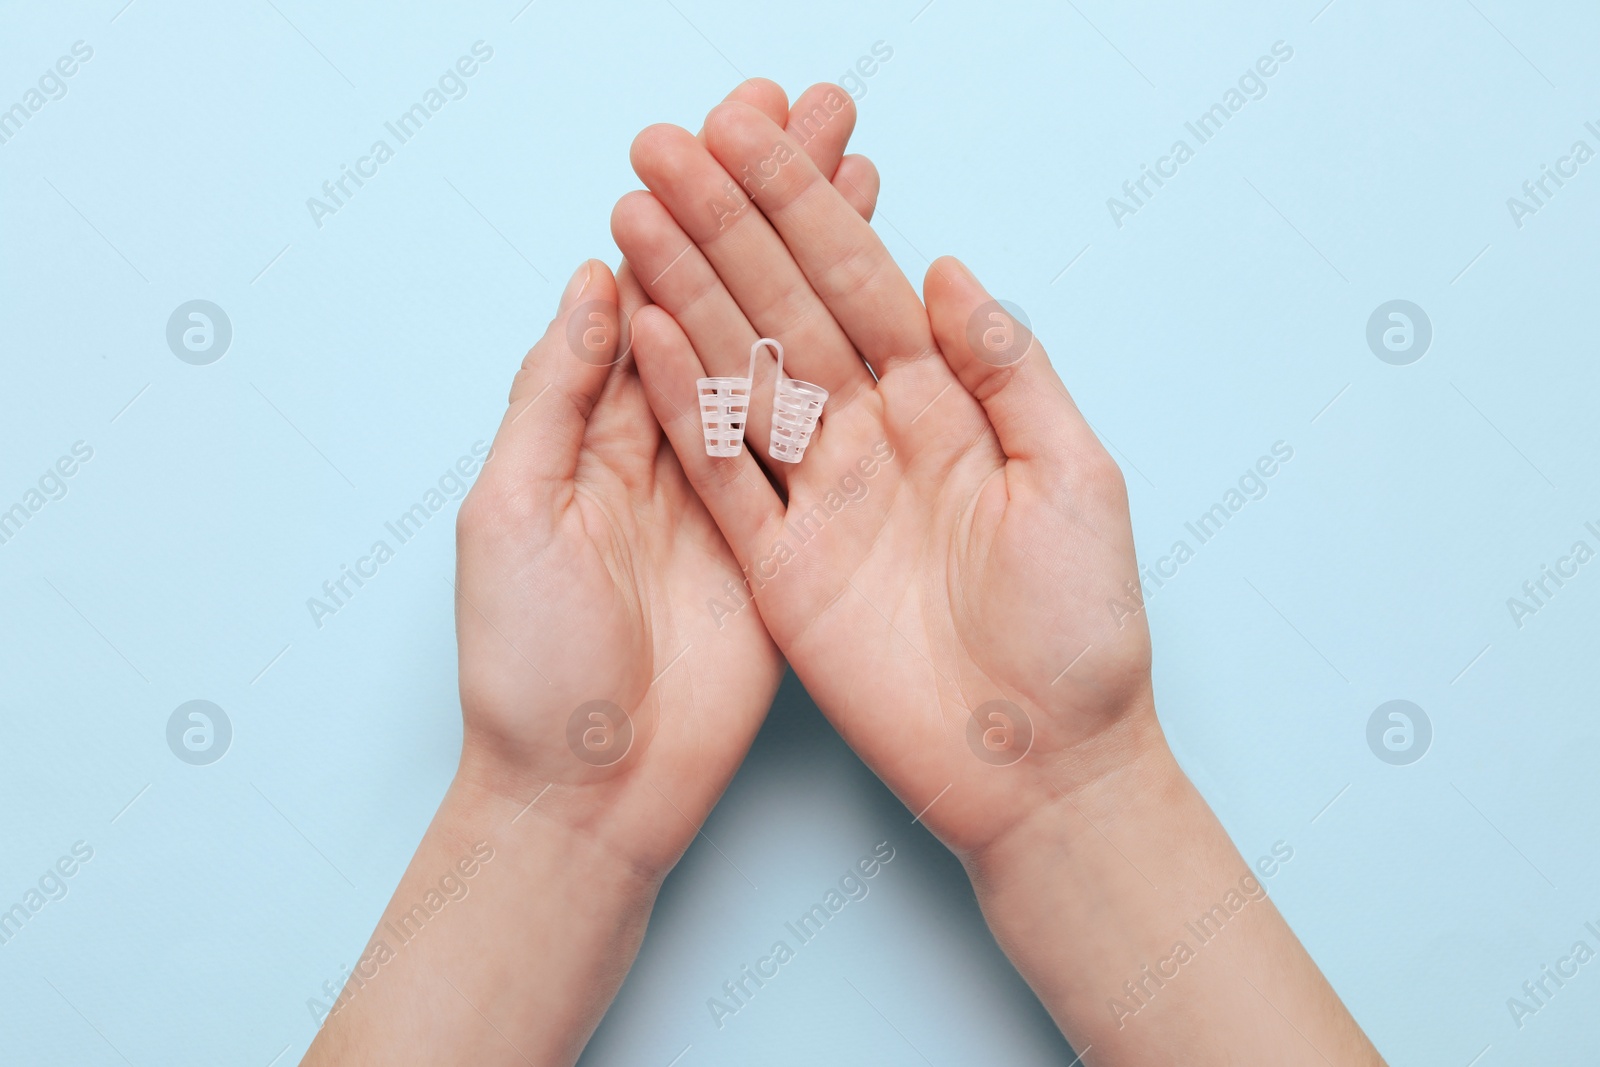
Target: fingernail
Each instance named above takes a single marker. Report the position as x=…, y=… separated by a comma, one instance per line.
x=973, y=278
x=580, y=279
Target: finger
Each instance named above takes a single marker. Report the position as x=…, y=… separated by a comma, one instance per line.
x=734, y=490
x=558, y=385
x=630, y=291
x=999, y=361
x=841, y=257
x=766, y=96
x=622, y=433
x=747, y=256
x=631, y=296
x=683, y=283
x=680, y=281
x=857, y=181
x=821, y=122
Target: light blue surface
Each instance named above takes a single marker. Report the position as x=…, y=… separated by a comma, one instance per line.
x=1227, y=314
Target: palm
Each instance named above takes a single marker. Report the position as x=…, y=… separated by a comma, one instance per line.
x=902, y=614
x=596, y=605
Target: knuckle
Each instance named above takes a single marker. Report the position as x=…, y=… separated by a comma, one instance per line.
x=716, y=478
x=494, y=506
x=855, y=271
x=519, y=381
x=1104, y=478
x=989, y=380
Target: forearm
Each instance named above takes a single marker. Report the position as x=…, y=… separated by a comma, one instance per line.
x=514, y=962
x=1149, y=939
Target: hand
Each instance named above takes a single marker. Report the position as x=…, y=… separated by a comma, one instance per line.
x=901, y=577
x=587, y=660
x=950, y=571
x=582, y=557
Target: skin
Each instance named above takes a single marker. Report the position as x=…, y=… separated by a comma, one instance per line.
x=976, y=549
x=583, y=559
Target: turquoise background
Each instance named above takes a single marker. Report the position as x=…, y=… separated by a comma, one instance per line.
x=369, y=354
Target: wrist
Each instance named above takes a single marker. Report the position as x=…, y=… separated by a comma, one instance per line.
x=1126, y=776
x=491, y=887
x=1112, y=903
x=550, y=826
